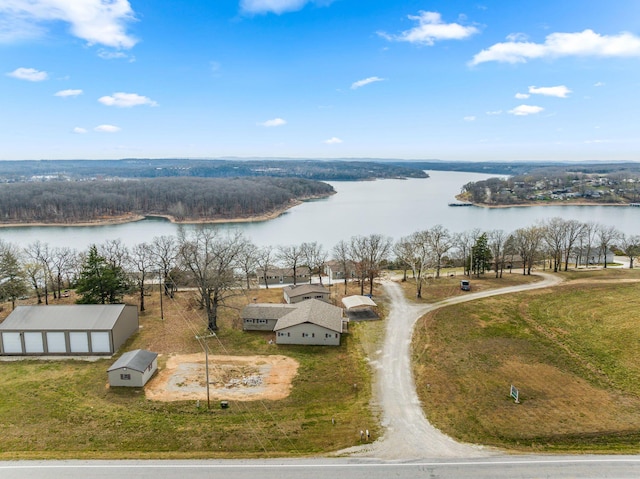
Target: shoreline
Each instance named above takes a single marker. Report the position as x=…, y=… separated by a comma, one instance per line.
x=533, y=205
x=133, y=218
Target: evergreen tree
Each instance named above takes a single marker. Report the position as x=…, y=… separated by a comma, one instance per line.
x=481, y=255
x=12, y=277
x=100, y=282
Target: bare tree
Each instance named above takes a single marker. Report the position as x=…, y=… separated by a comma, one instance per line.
x=264, y=259
x=115, y=252
x=165, y=252
x=574, y=230
x=342, y=254
x=630, y=246
x=368, y=252
x=62, y=260
x=290, y=257
x=607, y=235
x=553, y=233
x=497, y=245
x=248, y=261
x=211, y=259
x=417, y=253
x=464, y=242
x=440, y=241
x=587, y=241
x=39, y=252
x=315, y=256
x=12, y=278
x=527, y=241
x=35, y=275
x=141, y=261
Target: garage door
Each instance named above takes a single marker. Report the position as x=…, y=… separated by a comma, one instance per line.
x=79, y=342
x=55, y=342
x=11, y=343
x=33, y=343
x=100, y=342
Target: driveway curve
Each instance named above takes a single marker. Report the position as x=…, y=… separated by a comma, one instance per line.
x=407, y=433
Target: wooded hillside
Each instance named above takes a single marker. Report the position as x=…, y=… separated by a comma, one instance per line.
x=183, y=198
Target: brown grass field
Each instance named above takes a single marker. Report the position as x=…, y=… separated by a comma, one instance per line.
x=572, y=351
x=64, y=409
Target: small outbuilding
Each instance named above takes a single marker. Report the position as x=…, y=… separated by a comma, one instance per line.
x=67, y=330
x=360, y=308
x=303, y=292
x=133, y=368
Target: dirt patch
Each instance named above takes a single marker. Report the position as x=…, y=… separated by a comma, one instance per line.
x=238, y=378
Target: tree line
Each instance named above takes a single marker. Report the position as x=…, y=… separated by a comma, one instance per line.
x=185, y=199
x=220, y=265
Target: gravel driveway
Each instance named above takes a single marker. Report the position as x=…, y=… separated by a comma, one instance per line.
x=407, y=433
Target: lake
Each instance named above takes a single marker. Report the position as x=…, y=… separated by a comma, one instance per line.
x=393, y=208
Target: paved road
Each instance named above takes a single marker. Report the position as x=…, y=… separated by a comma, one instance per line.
x=408, y=435
x=584, y=467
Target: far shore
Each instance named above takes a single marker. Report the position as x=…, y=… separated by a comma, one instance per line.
x=117, y=220
x=544, y=203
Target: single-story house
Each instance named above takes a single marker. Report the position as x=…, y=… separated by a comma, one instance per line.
x=284, y=275
x=78, y=329
x=263, y=316
x=301, y=292
x=312, y=322
x=307, y=322
x=335, y=270
x=133, y=368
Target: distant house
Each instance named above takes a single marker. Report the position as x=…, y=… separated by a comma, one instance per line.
x=66, y=330
x=133, y=368
x=263, y=316
x=313, y=322
x=335, y=271
x=301, y=292
x=284, y=276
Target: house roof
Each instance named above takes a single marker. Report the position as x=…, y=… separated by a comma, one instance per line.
x=266, y=310
x=302, y=289
x=138, y=360
x=63, y=317
x=313, y=311
x=351, y=302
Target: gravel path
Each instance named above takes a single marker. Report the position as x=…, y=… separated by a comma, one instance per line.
x=408, y=435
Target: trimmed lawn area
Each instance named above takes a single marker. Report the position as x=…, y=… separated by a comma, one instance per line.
x=572, y=351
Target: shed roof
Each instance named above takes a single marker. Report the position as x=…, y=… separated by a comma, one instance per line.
x=313, y=311
x=63, y=317
x=351, y=302
x=302, y=289
x=138, y=360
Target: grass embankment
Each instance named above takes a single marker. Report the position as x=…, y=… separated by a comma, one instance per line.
x=63, y=408
x=572, y=351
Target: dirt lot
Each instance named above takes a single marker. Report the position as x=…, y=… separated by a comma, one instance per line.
x=238, y=378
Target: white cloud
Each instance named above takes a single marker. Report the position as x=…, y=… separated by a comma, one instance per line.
x=560, y=91
x=126, y=100
x=277, y=6
x=495, y=112
x=79, y=130
x=430, y=29
x=598, y=84
x=115, y=55
x=333, y=141
x=96, y=21
x=469, y=118
x=524, y=110
x=68, y=93
x=522, y=96
x=29, y=74
x=366, y=81
x=107, y=128
x=272, y=123
x=585, y=43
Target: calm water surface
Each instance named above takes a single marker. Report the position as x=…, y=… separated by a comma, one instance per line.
x=394, y=208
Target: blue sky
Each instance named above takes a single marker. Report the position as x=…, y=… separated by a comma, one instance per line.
x=465, y=80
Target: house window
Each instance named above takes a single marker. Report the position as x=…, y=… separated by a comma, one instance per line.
x=305, y=335
x=327, y=335
x=306, y=297
x=125, y=377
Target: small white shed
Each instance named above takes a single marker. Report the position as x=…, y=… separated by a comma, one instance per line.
x=133, y=368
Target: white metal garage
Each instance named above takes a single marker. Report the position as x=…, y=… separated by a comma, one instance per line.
x=79, y=329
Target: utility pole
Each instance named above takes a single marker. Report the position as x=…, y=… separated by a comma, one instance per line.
x=160, y=286
x=206, y=362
